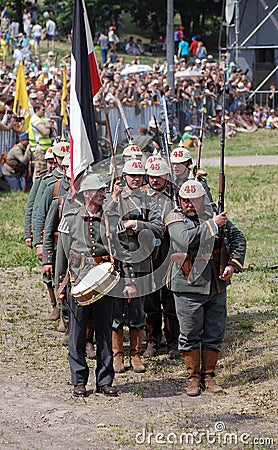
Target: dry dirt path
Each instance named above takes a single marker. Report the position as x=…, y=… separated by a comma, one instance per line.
x=255, y=160
x=152, y=411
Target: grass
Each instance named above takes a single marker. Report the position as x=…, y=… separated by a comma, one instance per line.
x=260, y=142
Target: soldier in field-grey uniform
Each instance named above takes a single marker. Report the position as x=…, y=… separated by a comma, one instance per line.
x=199, y=287
x=82, y=244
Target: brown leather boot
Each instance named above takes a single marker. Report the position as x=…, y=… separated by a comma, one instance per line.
x=192, y=362
x=55, y=314
x=136, y=337
x=209, y=361
x=118, y=351
x=61, y=327
x=90, y=350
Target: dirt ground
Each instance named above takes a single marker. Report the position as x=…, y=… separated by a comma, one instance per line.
x=151, y=412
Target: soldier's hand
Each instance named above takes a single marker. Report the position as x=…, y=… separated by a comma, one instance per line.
x=130, y=292
x=130, y=223
x=48, y=269
x=117, y=189
x=39, y=252
x=228, y=273
x=220, y=219
x=62, y=298
x=29, y=243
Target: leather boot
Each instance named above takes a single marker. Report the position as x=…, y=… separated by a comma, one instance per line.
x=61, y=327
x=172, y=331
x=153, y=334
x=118, y=351
x=192, y=362
x=136, y=337
x=55, y=314
x=90, y=350
x=209, y=361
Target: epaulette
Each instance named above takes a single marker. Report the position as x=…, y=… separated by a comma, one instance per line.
x=71, y=211
x=42, y=174
x=51, y=182
x=172, y=217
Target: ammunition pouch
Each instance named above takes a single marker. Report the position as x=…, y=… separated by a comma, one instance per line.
x=184, y=261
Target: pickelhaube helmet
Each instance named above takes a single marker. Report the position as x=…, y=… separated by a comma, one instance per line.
x=49, y=153
x=66, y=160
x=180, y=155
x=158, y=168
x=152, y=158
x=134, y=167
x=131, y=150
x=192, y=188
x=92, y=181
x=61, y=148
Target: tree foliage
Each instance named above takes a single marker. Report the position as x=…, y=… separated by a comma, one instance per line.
x=197, y=15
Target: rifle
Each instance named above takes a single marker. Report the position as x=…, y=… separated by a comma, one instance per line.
x=197, y=167
x=166, y=144
x=113, y=161
x=127, y=128
x=221, y=194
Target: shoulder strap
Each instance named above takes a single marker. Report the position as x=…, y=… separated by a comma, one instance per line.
x=56, y=188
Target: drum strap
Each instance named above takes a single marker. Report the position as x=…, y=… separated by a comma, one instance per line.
x=62, y=285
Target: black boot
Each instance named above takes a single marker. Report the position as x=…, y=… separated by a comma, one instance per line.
x=153, y=334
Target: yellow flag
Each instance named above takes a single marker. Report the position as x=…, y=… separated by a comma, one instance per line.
x=64, y=98
x=21, y=106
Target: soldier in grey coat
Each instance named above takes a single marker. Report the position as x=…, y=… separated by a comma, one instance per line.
x=199, y=287
x=141, y=217
x=82, y=244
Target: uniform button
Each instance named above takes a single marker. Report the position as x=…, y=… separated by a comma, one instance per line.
x=93, y=242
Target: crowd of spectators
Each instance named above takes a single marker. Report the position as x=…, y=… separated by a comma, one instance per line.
x=195, y=97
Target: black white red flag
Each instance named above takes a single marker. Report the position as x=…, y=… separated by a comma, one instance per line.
x=85, y=83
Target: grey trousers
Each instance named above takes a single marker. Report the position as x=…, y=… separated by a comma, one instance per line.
x=102, y=314
x=202, y=320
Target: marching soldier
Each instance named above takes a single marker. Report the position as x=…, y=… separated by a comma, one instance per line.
x=50, y=166
x=160, y=190
x=42, y=203
x=60, y=150
x=181, y=161
x=140, y=214
x=50, y=239
x=82, y=244
x=198, y=286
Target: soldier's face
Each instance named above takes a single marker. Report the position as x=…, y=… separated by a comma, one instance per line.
x=190, y=207
x=157, y=183
x=134, y=181
x=94, y=198
x=51, y=164
x=180, y=169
